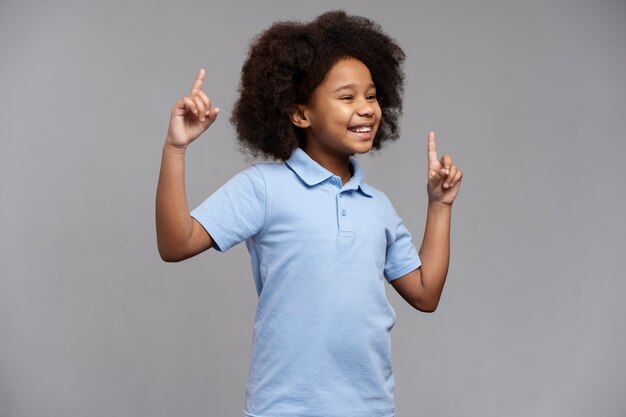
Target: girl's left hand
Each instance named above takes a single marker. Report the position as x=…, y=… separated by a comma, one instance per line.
x=444, y=178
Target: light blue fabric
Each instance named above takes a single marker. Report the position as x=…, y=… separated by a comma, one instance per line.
x=320, y=256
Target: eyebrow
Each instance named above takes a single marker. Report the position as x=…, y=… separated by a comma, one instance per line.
x=349, y=86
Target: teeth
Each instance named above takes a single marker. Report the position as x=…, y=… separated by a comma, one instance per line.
x=362, y=129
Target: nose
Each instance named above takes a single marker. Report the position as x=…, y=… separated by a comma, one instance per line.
x=366, y=109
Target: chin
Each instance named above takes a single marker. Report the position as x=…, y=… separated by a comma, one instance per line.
x=363, y=149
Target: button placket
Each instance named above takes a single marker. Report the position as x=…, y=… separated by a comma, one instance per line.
x=342, y=212
x=346, y=236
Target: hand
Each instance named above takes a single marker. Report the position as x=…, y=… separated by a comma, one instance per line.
x=444, y=178
x=191, y=116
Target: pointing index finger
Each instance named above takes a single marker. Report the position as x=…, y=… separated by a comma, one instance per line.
x=197, y=84
x=432, y=153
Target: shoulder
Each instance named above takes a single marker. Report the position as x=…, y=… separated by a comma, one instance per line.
x=270, y=168
x=249, y=176
x=260, y=172
x=244, y=184
x=385, y=207
x=274, y=173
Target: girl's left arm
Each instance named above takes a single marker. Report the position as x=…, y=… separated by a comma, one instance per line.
x=422, y=287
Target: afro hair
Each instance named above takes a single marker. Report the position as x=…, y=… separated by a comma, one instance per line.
x=287, y=61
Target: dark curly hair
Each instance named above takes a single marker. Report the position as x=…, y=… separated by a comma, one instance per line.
x=287, y=61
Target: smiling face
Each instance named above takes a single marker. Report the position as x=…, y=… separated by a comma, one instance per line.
x=343, y=114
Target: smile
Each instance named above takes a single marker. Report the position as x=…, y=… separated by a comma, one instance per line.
x=362, y=129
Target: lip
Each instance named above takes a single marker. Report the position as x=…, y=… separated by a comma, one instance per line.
x=362, y=135
x=371, y=125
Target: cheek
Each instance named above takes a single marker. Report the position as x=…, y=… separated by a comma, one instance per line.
x=341, y=116
x=379, y=112
x=379, y=115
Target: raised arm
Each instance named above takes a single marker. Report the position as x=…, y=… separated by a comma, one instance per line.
x=179, y=236
x=422, y=287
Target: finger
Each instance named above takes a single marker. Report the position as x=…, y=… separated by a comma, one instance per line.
x=435, y=182
x=450, y=176
x=432, y=153
x=197, y=84
x=200, y=107
x=457, y=178
x=433, y=169
x=212, y=115
x=434, y=166
x=206, y=100
x=179, y=105
x=446, y=163
x=190, y=104
x=434, y=178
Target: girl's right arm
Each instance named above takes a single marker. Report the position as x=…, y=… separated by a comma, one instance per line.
x=179, y=236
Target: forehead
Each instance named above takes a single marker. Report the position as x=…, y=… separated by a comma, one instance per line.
x=347, y=71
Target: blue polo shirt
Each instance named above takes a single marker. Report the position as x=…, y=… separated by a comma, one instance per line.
x=321, y=253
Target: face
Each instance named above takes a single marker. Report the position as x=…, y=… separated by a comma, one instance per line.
x=343, y=114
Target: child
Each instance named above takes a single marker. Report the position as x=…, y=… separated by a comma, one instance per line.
x=321, y=240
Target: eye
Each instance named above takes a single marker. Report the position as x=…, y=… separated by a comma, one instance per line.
x=371, y=97
x=345, y=98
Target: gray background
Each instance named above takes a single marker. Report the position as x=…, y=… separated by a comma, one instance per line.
x=528, y=97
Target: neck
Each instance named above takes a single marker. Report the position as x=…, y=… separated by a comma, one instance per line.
x=337, y=164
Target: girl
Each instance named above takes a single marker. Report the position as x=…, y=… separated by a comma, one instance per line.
x=322, y=241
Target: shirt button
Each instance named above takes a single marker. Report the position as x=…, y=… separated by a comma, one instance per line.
x=333, y=181
x=340, y=195
x=343, y=212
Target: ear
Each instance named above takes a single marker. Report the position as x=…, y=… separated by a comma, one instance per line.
x=298, y=117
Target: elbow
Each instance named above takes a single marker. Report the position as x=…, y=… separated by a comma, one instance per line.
x=170, y=256
x=425, y=306
x=427, y=309
x=166, y=257
x=170, y=259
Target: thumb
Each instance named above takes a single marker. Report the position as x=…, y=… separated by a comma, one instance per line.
x=210, y=117
x=434, y=178
x=213, y=114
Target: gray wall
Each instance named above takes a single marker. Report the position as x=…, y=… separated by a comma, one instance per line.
x=528, y=97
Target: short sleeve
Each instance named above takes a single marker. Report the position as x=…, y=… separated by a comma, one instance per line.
x=401, y=256
x=236, y=211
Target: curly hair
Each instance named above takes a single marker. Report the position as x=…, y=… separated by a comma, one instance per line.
x=287, y=61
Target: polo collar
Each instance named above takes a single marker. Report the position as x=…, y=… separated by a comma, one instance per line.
x=312, y=173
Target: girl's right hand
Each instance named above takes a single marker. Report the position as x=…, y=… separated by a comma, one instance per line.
x=190, y=116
